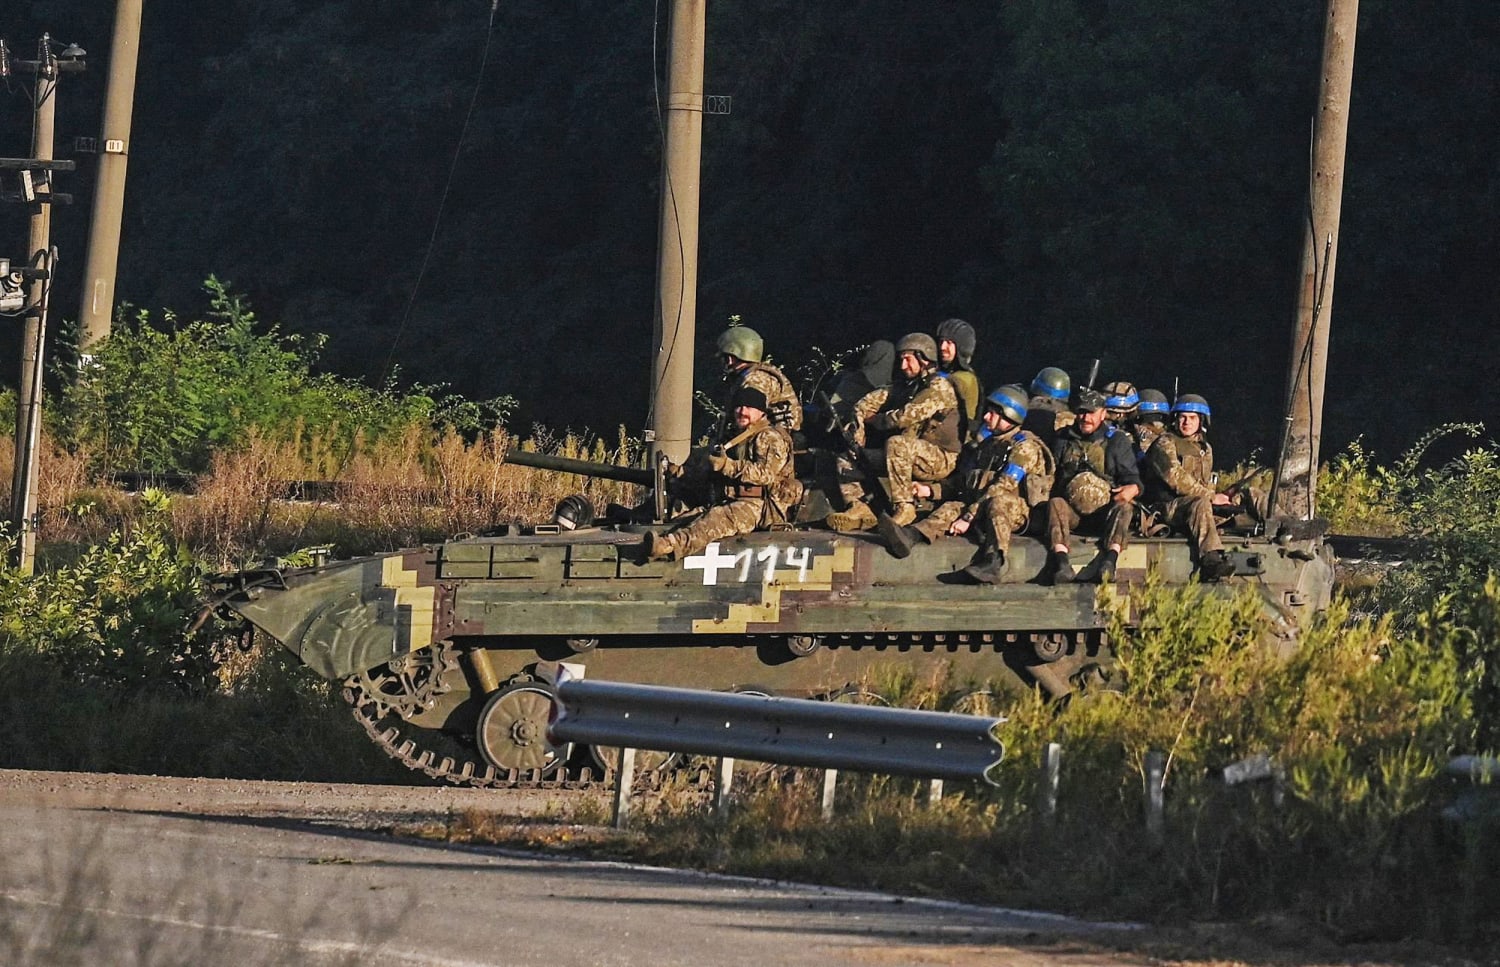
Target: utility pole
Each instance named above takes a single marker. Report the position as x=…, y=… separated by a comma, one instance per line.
x=40, y=260
x=677, y=254
x=98, y=302
x=1294, y=494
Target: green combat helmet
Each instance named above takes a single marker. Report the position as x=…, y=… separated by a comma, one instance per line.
x=1193, y=403
x=919, y=343
x=1051, y=382
x=1011, y=402
x=743, y=343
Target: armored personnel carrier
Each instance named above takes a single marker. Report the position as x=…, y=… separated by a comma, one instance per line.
x=448, y=652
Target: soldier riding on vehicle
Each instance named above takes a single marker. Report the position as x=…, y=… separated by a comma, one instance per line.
x=1099, y=482
x=752, y=477
x=912, y=432
x=991, y=495
x=1179, y=484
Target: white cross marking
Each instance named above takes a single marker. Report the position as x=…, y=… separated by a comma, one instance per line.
x=710, y=562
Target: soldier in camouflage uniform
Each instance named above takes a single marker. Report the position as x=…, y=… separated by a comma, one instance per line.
x=1150, y=420
x=743, y=353
x=956, y=341
x=913, y=427
x=753, y=479
x=1047, y=410
x=1179, y=482
x=1098, y=481
x=998, y=482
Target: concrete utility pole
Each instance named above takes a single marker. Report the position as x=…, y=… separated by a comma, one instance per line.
x=677, y=255
x=98, y=305
x=1294, y=494
x=23, y=500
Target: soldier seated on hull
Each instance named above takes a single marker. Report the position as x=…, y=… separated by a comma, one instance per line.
x=999, y=480
x=1047, y=409
x=913, y=431
x=1179, y=484
x=833, y=410
x=956, y=340
x=1150, y=420
x=754, y=485
x=742, y=352
x=1097, y=482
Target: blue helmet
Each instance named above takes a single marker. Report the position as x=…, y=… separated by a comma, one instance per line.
x=1154, y=405
x=1052, y=382
x=1010, y=401
x=1193, y=403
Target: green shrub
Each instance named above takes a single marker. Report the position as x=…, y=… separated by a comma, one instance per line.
x=164, y=396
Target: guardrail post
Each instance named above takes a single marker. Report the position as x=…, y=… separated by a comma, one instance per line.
x=830, y=779
x=723, y=782
x=1156, y=768
x=624, y=778
x=1046, y=794
x=934, y=792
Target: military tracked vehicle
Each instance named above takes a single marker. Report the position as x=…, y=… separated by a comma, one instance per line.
x=448, y=652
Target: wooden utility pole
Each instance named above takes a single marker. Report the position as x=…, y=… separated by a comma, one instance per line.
x=23, y=500
x=98, y=305
x=1295, y=492
x=677, y=253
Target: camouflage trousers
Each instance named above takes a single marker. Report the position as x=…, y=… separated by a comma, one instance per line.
x=906, y=459
x=1112, y=521
x=1001, y=514
x=719, y=521
x=1195, y=516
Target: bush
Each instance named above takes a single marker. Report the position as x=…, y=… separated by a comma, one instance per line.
x=163, y=397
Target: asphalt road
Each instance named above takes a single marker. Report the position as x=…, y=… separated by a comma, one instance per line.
x=154, y=880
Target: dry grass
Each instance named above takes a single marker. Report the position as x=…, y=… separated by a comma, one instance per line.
x=398, y=492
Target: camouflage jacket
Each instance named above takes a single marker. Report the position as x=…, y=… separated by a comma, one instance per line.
x=1145, y=434
x=925, y=408
x=1026, y=469
x=761, y=466
x=1107, y=452
x=1179, y=466
x=783, y=407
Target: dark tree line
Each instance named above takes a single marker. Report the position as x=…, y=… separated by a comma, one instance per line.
x=1078, y=178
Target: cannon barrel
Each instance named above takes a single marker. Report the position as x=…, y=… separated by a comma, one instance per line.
x=586, y=468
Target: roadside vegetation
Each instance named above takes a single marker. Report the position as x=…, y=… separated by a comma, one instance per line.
x=99, y=670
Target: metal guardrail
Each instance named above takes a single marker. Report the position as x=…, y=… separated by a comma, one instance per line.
x=788, y=731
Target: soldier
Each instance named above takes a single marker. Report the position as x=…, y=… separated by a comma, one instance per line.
x=835, y=409
x=1048, y=407
x=743, y=353
x=915, y=426
x=998, y=482
x=753, y=479
x=877, y=365
x=1150, y=420
x=1121, y=403
x=1099, y=480
x=1179, y=481
x=955, y=342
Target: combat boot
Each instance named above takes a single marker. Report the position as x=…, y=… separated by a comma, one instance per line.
x=899, y=540
x=1101, y=570
x=658, y=548
x=858, y=517
x=1062, y=568
x=988, y=568
x=1215, y=566
x=905, y=514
